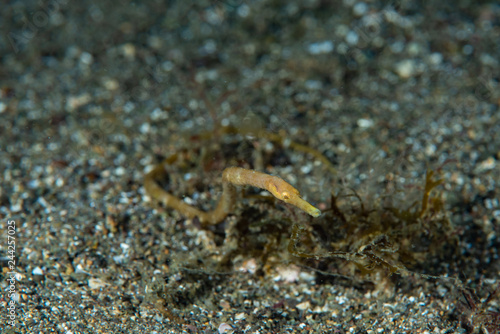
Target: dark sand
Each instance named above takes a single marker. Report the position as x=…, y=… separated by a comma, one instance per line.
x=93, y=95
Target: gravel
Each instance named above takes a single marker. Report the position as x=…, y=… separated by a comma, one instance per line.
x=94, y=94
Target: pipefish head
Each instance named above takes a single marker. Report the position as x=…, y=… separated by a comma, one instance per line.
x=288, y=194
x=282, y=190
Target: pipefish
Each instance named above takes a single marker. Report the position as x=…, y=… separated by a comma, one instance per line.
x=231, y=177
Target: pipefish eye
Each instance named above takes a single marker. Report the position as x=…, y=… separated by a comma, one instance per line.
x=285, y=195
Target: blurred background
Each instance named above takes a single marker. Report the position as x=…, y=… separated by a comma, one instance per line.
x=94, y=94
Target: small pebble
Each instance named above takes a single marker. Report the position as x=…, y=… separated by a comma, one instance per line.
x=225, y=328
x=406, y=68
x=37, y=271
x=320, y=47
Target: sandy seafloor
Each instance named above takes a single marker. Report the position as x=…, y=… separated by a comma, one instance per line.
x=93, y=94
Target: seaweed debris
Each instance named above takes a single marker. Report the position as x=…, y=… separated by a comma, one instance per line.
x=376, y=236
